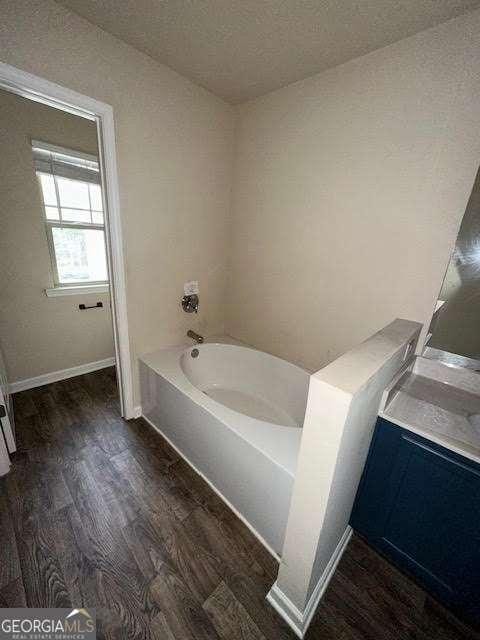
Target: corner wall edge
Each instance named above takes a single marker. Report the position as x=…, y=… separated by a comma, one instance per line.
x=297, y=620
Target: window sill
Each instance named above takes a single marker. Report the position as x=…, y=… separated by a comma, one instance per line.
x=77, y=291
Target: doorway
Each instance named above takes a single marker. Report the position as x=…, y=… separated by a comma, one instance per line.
x=78, y=205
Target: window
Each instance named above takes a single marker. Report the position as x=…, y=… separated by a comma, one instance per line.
x=74, y=218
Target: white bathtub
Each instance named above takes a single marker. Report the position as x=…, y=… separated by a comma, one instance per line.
x=235, y=414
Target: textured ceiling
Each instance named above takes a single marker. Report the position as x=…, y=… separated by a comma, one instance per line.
x=245, y=48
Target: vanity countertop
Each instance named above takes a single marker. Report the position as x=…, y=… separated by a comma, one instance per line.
x=439, y=402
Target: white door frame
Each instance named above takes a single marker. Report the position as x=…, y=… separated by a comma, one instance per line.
x=46, y=92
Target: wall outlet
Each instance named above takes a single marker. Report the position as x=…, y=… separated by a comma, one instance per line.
x=191, y=288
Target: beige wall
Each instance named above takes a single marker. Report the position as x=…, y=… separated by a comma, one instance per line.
x=174, y=150
x=349, y=188
x=39, y=334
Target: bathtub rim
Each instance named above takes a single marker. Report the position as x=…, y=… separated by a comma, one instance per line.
x=166, y=363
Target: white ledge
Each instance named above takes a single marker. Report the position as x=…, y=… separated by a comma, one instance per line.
x=77, y=290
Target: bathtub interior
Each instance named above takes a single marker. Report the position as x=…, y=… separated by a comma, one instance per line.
x=248, y=381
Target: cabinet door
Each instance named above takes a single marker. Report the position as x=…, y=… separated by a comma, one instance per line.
x=419, y=505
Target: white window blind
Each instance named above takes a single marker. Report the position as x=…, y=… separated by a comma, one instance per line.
x=54, y=160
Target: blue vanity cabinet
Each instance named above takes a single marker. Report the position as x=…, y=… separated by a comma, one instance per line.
x=418, y=504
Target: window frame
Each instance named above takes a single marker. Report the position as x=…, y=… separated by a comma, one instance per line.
x=62, y=224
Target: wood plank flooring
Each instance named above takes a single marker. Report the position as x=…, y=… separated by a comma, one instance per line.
x=103, y=513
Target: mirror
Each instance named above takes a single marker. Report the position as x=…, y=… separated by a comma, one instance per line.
x=454, y=333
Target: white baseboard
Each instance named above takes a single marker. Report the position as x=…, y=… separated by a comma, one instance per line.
x=298, y=620
x=214, y=488
x=55, y=376
x=137, y=412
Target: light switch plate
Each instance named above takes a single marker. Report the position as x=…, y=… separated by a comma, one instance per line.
x=191, y=288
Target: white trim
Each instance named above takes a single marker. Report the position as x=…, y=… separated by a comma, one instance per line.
x=287, y=610
x=137, y=411
x=8, y=434
x=214, y=488
x=298, y=620
x=54, y=95
x=4, y=458
x=56, y=292
x=63, y=374
x=78, y=290
x=108, y=169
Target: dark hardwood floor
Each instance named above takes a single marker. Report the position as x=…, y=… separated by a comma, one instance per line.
x=103, y=513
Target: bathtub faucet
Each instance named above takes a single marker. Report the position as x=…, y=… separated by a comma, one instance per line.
x=194, y=336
